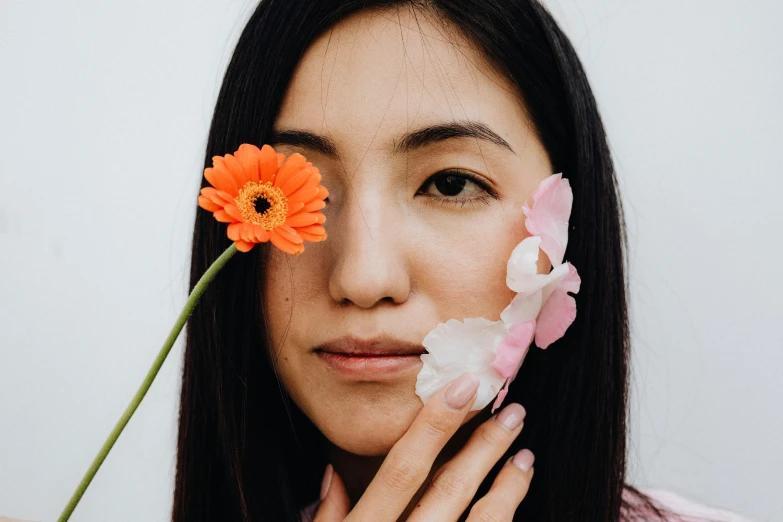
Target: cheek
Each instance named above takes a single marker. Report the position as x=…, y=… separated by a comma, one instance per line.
x=463, y=273
x=294, y=286
x=294, y=294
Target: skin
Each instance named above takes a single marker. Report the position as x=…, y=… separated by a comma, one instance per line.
x=400, y=256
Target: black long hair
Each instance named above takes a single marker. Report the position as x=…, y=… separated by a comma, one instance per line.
x=247, y=453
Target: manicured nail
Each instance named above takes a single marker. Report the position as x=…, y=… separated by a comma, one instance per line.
x=327, y=481
x=524, y=460
x=461, y=390
x=511, y=416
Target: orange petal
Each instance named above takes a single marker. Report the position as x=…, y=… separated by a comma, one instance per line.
x=238, y=172
x=267, y=163
x=311, y=237
x=225, y=196
x=219, y=197
x=308, y=185
x=303, y=196
x=207, y=204
x=234, y=212
x=292, y=165
x=208, y=192
x=260, y=233
x=247, y=233
x=316, y=204
x=312, y=229
x=288, y=233
x=234, y=231
x=312, y=206
x=293, y=209
x=223, y=217
x=283, y=244
x=215, y=179
x=220, y=177
x=244, y=246
x=316, y=174
x=296, y=180
x=280, y=159
x=301, y=220
x=248, y=155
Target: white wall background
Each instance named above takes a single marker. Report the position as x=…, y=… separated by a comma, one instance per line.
x=104, y=110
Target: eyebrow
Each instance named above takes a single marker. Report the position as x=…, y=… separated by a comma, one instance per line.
x=409, y=141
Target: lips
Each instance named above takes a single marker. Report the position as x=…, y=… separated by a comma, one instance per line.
x=370, y=359
x=378, y=347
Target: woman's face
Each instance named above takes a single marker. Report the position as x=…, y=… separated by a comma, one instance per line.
x=420, y=224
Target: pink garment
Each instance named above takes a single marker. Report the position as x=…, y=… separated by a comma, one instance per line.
x=686, y=510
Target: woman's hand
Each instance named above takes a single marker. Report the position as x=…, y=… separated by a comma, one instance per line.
x=408, y=464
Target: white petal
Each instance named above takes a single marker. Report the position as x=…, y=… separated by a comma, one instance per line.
x=522, y=308
x=522, y=265
x=456, y=347
x=522, y=271
x=554, y=278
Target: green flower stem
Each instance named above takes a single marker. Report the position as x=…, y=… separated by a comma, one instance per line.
x=190, y=304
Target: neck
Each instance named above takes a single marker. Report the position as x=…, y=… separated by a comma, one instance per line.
x=358, y=471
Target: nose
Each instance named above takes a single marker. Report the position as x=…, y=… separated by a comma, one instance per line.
x=370, y=257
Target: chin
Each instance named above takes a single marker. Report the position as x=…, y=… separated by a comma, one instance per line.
x=369, y=427
x=372, y=428
x=369, y=442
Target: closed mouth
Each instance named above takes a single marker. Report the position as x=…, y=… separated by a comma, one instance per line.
x=386, y=346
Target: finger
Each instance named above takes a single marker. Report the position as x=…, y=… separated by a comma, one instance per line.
x=409, y=462
x=456, y=483
x=507, y=491
x=335, y=505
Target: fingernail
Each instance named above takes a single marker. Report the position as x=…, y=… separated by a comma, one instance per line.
x=524, y=460
x=327, y=481
x=511, y=416
x=461, y=390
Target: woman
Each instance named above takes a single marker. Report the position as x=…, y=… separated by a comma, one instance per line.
x=431, y=122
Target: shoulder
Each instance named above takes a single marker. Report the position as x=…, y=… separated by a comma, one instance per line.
x=684, y=509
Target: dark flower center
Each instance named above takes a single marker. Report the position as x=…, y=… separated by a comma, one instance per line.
x=262, y=205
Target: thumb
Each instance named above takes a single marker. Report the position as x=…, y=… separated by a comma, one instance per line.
x=335, y=505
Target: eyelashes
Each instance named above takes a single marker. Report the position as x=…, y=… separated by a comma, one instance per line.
x=450, y=183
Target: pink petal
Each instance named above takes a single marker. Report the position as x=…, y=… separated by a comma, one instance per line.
x=572, y=281
x=548, y=217
x=568, y=280
x=513, y=347
x=501, y=395
x=504, y=391
x=559, y=310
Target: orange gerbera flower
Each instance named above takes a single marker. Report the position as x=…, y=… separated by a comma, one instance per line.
x=265, y=196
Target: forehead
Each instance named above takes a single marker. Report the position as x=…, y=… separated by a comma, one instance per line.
x=375, y=75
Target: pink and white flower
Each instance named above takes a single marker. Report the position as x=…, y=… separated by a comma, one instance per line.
x=541, y=311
